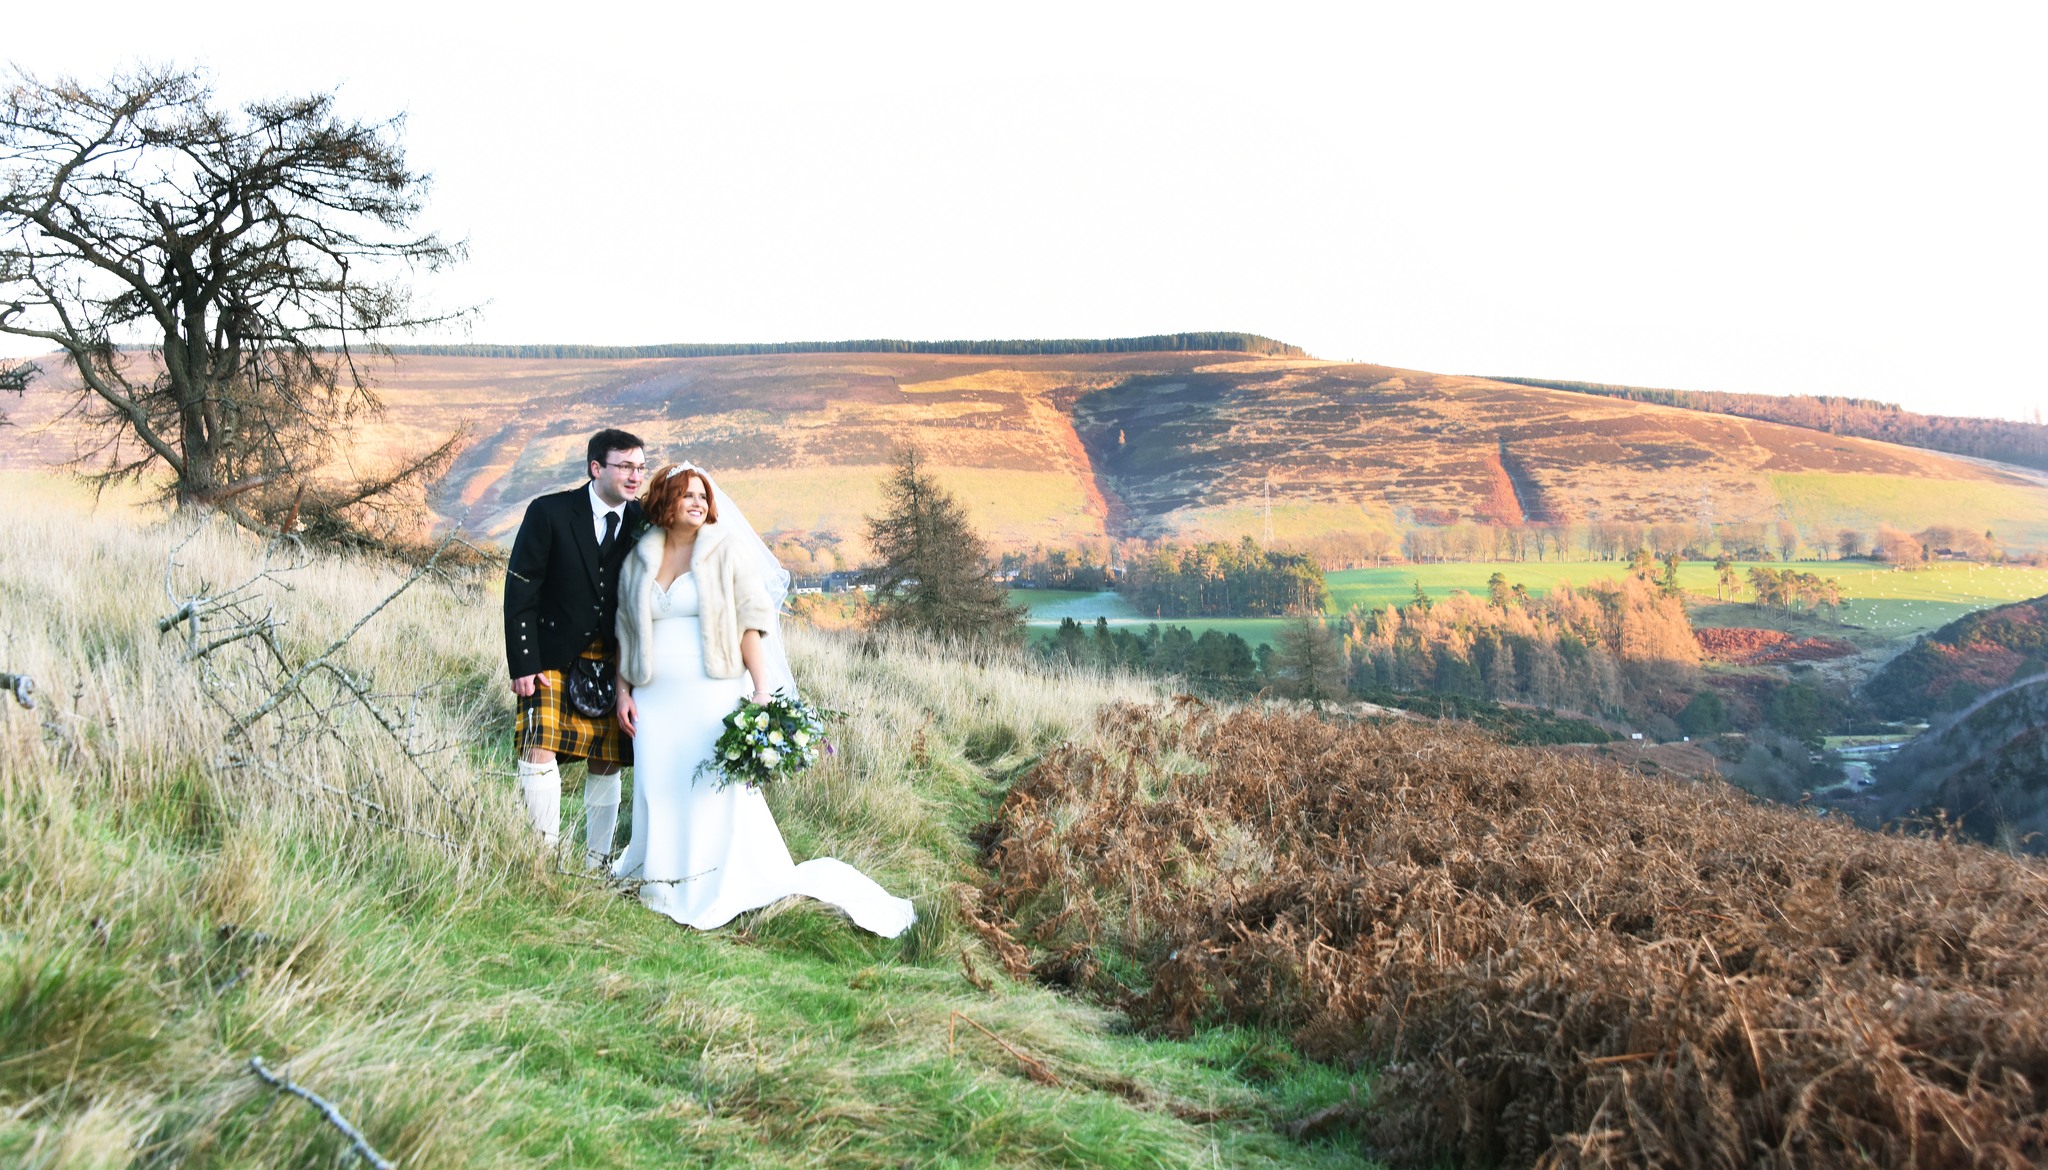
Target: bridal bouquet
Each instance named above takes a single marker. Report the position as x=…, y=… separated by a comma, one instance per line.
x=766, y=742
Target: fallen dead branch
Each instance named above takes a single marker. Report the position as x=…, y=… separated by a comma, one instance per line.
x=1033, y=1067
x=306, y=719
x=357, y=1141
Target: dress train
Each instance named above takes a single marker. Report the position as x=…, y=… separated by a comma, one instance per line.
x=704, y=853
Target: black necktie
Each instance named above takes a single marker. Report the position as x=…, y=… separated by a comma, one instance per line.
x=611, y=529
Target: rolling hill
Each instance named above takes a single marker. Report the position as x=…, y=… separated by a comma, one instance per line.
x=1954, y=666
x=1066, y=447
x=1985, y=766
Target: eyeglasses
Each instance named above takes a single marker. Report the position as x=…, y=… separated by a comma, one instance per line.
x=630, y=468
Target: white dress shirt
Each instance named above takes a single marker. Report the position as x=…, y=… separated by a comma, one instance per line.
x=598, y=510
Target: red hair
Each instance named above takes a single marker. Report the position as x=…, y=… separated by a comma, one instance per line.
x=662, y=502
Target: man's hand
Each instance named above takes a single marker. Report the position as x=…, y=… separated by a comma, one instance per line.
x=524, y=684
x=629, y=712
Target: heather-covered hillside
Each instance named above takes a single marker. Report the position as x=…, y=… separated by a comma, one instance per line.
x=1950, y=668
x=1062, y=448
x=1985, y=767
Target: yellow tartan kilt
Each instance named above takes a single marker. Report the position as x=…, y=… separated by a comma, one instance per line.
x=548, y=722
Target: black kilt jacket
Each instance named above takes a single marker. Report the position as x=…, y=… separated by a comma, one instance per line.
x=559, y=595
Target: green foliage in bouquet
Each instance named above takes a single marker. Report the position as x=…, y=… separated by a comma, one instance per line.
x=766, y=742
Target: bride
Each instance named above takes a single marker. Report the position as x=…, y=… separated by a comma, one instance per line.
x=698, y=632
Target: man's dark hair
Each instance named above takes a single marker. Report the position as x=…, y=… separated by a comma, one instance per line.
x=606, y=441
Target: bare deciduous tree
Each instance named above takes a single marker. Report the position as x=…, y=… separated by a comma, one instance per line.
x=214, y=276
x=15, y=379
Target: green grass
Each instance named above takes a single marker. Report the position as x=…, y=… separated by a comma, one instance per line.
x=1880, y=599
x=2016, y=513
x=1049, y=606
x=1395, y=585
x=1894, y=604
x=162, y=920
x=1838, y=742
x=1883, y=601
x=597, y=1035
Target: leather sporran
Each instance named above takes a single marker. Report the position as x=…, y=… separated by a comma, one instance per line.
x=593, y=687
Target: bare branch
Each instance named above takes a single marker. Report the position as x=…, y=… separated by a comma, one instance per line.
x=283, y=705
x=284, y=1084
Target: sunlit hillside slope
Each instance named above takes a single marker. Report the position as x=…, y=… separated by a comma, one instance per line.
x=1057, y=449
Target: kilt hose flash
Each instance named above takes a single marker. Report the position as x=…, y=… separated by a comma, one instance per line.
x=548, y=722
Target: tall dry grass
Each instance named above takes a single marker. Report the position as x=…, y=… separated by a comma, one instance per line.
x=165, y=916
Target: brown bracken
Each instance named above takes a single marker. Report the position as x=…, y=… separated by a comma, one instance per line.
x=1551, y=961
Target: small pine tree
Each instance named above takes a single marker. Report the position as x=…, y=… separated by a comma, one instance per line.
x=1309, y=662
x=933, y=573
x=1497, y=593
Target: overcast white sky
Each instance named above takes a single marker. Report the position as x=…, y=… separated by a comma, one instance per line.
x=1777, y=197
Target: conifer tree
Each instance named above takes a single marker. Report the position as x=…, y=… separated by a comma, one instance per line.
x=1309, y=662
x=1497, y=590
x=932, y=573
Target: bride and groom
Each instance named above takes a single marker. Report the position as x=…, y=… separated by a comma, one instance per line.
x=681, y=593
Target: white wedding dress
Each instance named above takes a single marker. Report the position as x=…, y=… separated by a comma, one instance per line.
x=706, y=853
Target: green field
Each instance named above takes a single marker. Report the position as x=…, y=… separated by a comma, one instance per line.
x=1049, y=606
x=1880, y=599
x=2016, y=513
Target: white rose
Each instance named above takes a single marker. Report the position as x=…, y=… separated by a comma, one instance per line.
x=761, y=720
x=770, y=757
x=803, y=738
x=775, y=737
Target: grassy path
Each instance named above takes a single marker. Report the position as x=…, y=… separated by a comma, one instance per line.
x=162, y=920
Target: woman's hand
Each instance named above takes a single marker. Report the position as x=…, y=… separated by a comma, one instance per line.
x=629, y=712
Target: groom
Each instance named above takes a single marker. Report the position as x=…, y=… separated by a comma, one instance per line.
x=561, y=592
